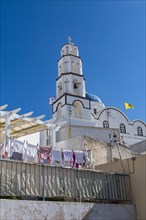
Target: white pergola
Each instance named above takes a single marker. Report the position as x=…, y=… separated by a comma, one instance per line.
x=13, y=125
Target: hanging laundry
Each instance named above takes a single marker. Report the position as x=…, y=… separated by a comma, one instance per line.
x=62, y=158
x=68, y=158
x=87, y=158
x=31, y=154
x=80, y=157
x=5, y=155
x=16, y=156
x=2, y=150
x=44, y=155
x=74, y=160
x=17, y=146
x=56, y=157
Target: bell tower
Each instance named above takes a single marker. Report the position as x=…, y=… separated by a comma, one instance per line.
x=71, y=103
x=70, y=75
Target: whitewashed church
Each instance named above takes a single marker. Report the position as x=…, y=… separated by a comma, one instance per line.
x=80, y=120
x=84, y=134
x=77, y=113
x=84, y=113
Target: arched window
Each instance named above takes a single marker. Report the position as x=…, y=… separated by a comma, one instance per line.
x=60, y=89
x=59, y=110
x=78, y=109
x=105, y=124
x=122, y=128
x=66, y=85
x=67, y=49
x=139, y=131
x=62, y=52
x=76, y=87
x=74, y=51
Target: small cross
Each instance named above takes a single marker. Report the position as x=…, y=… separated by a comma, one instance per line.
x=69, y=39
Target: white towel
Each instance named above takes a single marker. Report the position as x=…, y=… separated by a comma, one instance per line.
x=31, y=153
x=17, y=146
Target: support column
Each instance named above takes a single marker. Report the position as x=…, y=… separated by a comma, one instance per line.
x=7, y=132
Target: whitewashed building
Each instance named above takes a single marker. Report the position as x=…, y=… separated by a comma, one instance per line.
x=78, y=113
x=84, y=113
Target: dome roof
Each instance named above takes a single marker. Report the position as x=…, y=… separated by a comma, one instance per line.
x=93, y=97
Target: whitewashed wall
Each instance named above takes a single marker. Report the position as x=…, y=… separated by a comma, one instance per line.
x=101, y=152
x=101, y=134
x=115, y=117
x=31, y=138
x=29, y=210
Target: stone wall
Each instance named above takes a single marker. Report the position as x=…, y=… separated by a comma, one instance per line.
x=101, y=152
x=136, y=168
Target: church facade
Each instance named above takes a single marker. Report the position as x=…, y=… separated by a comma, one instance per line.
x=85, y=113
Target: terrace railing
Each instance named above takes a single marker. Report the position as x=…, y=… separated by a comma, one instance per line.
x=25, y=180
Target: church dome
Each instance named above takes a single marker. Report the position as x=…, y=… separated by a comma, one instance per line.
x=93, y=97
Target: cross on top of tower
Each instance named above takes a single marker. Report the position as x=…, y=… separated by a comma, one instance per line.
x=69, y=39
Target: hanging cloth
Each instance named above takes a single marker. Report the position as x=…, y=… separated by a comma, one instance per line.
x=31, y=154
x=2, y=150
x=68, y=158
x=45, y=155
x=80, y=157
x=56, y=157
x=17, y=147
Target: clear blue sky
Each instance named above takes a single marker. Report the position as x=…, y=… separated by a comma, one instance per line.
x=110, y=36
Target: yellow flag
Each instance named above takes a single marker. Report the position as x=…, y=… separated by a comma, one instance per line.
x=128, y=106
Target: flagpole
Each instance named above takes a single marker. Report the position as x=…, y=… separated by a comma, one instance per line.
x=51, y=101
x=49, y=112
x=48, y=109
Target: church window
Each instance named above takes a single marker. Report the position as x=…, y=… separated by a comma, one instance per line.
x=66, y=83
x=75, y=85
x=74, y=67
x=95, y=111
x=67, y=49
x=105, y=124
x=122, y=128
x=139, y=131
x=66, y=66
x=62, y=52
x=60, y=89
x=59, y=110
x=60, y=69
x=60, y=86
x=78, y=109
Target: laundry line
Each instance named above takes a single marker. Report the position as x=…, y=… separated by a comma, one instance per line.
x=27, y=152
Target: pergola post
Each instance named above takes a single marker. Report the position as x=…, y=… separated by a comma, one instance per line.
x=7, y=129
